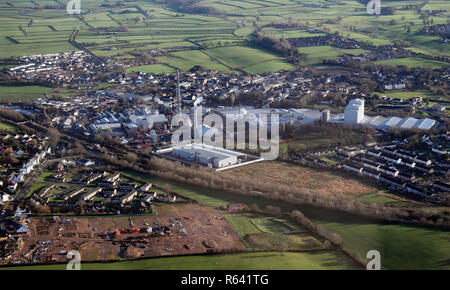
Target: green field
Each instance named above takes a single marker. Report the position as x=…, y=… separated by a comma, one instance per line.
x=375, y=197
x=16, y=93
x=243, y=225
x=413, y=62
x=401, y=246
x=7, y=127
x=319, y=140
x=244, y=261
x=268, y=233
x=316, y=54
x=34, y=188
x=185, y=60
x=404, y=95
x=249, y=59
x=294, y=33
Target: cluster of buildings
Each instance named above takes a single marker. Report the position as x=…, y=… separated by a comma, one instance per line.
x=27, y=150
x=141, y=118
x=442, y=30
x=354, y=114
x=56, y=69
x=420, y=174
x=99, y=191
x=215, y=88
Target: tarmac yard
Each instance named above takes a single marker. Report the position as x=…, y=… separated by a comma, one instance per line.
x=181, y=229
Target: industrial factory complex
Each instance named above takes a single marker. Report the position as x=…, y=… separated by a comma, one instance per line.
x=208, y=156
x=353, y=115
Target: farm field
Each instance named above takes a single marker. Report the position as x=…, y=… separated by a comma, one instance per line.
x=144, y=26
x=316, y=54
x=400, y=246
x=248, y=59
x=185, y=60
x=175, y=39
x=242, y=261
x=377, y=197
x=413, y=63
x=269, y=233
x=404, y=95
x=294, y=33
x=313, y=141
x=7, y=127
x=34, y=188
x=16, y=93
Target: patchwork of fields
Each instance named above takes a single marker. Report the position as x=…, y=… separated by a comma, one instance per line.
x=217, y=41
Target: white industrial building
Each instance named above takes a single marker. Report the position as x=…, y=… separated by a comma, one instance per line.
x=133, y=119
x=354, y=112
x=210, y=156
x=353, y=115
x=402, y=123
x=147, y=121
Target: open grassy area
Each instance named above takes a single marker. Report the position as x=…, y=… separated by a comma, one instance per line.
x=160, y=26
x=405, y=95
x=7, y=127
x=320, y=181
x=185, y=60
x=204, y=196
x=15, y=93
x=413, y=62
x=269, y=233
x=246, y=58
x=318, y=140
x=34, y=188
x=244, y=261
x=400, y=246
x=44, y=175
x=242, y=225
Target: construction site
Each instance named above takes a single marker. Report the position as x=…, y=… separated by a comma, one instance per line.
x=181, y=229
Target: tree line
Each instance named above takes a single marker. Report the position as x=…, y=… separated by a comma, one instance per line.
x=299, y=218
x=283, y=47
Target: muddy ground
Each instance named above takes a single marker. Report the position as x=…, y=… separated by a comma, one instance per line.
x=176, y=230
